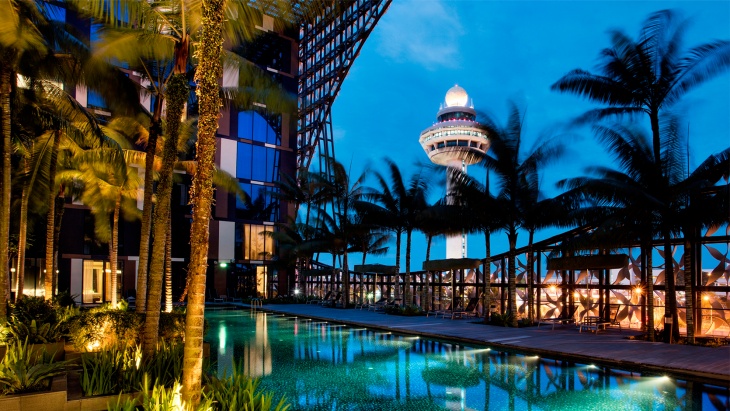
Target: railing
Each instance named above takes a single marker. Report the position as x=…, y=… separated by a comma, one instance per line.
x=617, y=295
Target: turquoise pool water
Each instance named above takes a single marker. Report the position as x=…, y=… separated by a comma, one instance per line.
x=328, y=366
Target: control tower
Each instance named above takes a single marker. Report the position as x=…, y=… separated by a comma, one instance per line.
x=455, y=140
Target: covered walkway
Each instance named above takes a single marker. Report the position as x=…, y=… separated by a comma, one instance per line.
x=611, y=348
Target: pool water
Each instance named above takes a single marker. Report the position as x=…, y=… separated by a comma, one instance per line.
x=327, y=366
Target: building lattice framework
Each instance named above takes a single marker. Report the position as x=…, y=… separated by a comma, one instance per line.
x=328, y=48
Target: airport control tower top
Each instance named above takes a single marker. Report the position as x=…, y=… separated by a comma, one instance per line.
x=456, y=136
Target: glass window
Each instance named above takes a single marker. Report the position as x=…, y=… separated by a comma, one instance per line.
x=245, y=124
x=260, y=127
x=271, y=164
x=252, y=243
x=243, y=165
x=94, y=99
x=273, y=136
x=93, y=282
x=258, y=161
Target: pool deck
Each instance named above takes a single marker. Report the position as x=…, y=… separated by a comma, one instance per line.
x=610, y=348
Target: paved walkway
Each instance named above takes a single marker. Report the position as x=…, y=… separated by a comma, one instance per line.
x=610, y=348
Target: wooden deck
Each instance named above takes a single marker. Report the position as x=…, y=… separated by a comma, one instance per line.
x=611, y=348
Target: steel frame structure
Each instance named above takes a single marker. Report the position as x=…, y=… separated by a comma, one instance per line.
x=328, y=47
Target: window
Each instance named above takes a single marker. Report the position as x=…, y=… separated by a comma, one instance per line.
x=252, y=243
x=97, y=282
x=243, y=166
x=245, y=125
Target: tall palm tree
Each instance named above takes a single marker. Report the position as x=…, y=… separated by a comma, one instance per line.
x=649, y=75
x=340, y=226
x=518, y=181
x=20, y=36
x=647, y=200
x=208, y=74
x=479, y=211
x=396, y=206
x=156, y=39
x=110, y=187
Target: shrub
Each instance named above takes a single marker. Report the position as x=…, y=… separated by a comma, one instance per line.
x=25, y=370
x=64, y=299
x=100, y=372
x=172, y=325
x=159, y=398
x=239, y=392
x=408, y=310
x=122, y=369
x=33, y=332
x=104, y=327
x=28, y=308
x=502, y=320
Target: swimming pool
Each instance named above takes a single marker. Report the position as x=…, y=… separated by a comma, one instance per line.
x=327, y=366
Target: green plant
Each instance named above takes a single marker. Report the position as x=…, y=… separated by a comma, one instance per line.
x=172, y=325
x=28, y=308
x=101, y=371
x=408, y=310
x=64, y=300
x=502, y=320
x=104, y=327
x=239, y=392
x=165, y=367
x=33, y=332
x=159, y=398
x=123, y=368
x=25, y=370
x=525, y=322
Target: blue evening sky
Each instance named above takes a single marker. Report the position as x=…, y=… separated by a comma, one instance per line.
x=497, y=51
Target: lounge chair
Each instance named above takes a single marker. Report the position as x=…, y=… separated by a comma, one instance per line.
x=469, y=311
x=380, y=304
x=233, y=298
x=325, y=298
x=332, y=301
x=442, y=313
x=569, y=318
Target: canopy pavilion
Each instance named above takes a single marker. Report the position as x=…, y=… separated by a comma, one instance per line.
x=368, y=289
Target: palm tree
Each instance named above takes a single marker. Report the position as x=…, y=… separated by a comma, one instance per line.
x=705, y=205
x=110, y=187
x=20, y=37
x=518, y=182
x=479, y=211
x=207, y=75
x=340, y=226
x=156, y=39
x=396, y=207
x=647, y=200
x=649, y=75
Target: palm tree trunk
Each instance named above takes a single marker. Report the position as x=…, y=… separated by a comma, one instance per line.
x=144, y=239
x=670, y=307
x=113, y=247
x=426, y=282
x=168, y=266
x=397, y=261
x=511, y=276
x=648, y=251
x=208, y=73
x=177, y=95
x=345, y=280
x=50, y=218
x=487, y=275
x=407, y=294
x=530, y=279
x=689, y=279
x=23, y=231
x=60, y=204
x=6, y=75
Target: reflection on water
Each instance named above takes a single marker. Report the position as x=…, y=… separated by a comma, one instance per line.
x=319, y=366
